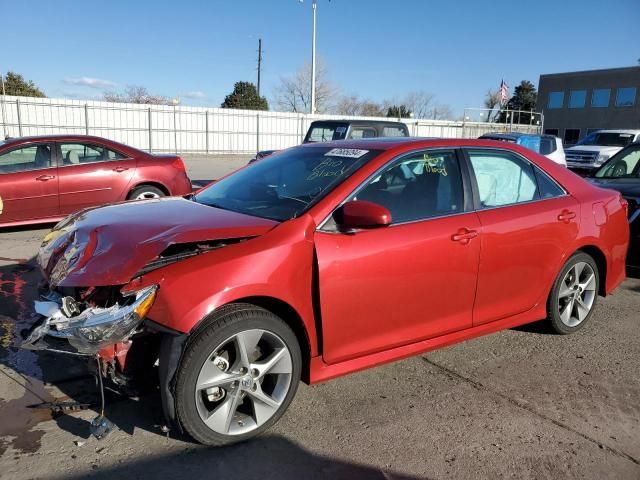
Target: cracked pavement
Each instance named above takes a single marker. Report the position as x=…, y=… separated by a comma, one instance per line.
x=521, y=403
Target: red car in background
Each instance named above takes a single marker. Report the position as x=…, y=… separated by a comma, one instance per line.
x=45, y=178
x=322, y=260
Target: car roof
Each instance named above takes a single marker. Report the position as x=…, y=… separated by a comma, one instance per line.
x=53, y=138
x=388, y=143
x=616, y=130
x=368, y=122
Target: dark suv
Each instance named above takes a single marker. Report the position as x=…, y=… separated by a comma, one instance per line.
x=330, y=130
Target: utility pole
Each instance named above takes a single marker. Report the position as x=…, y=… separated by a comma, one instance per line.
x=313, y=62
x=4, y=115
x=259, y=62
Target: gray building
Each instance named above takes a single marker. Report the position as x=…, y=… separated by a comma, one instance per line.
x=575, y=104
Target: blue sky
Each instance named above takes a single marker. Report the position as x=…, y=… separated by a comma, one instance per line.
x=374, y=48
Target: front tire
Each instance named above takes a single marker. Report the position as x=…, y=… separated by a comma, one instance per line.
x=574, y=294
x=238, y=375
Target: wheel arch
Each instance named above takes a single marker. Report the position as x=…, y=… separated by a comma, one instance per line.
x=601, y=261
x=281, y=309
x=143, y=183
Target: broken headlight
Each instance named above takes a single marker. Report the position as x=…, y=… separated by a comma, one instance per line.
x=94, y=327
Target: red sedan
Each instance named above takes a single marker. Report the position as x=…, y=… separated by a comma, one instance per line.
x=322, y=260
x=44, y=179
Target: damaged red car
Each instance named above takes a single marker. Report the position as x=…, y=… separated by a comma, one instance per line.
x=322, y=260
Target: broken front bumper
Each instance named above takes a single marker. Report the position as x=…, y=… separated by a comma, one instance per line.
x=91, y=329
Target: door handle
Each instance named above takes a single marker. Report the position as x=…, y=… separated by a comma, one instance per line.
x=44, y=178
x=120, y=169
x=566, y=215
x=464, y=235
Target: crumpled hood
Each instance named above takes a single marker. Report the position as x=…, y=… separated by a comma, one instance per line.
x=109, y=245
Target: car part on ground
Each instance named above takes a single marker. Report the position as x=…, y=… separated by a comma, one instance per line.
x=327, y=255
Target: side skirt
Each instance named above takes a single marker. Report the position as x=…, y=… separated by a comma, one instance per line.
x=321, y=371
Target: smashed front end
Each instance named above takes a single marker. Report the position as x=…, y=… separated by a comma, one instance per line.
x=102, y=317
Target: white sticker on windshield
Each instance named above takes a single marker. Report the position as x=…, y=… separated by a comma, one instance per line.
x=346, y=152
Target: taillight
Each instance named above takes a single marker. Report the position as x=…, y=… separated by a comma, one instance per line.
x=179, y=164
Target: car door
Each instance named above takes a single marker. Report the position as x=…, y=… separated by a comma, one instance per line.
x=92, y=174
x=28, y=183
x=527, y=222
x=415, y=279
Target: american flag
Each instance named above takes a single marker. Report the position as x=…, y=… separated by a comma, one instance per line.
x=504, y=92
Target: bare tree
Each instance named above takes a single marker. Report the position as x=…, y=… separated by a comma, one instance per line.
x=136, y=94
x=293, y=94
x=441, y=111
x=420, y=102
x=491, y=101
x=354, y=105
x=424, y=105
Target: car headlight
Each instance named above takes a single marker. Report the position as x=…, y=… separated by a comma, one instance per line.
x=95, y=328
x=603, y=157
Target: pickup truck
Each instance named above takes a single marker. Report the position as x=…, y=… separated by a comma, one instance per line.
x=598, y=147
x=330, y=130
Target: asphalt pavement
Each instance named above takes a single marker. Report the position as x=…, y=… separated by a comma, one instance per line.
x=522, y=403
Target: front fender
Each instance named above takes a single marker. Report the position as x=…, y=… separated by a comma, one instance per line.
x=279, y=265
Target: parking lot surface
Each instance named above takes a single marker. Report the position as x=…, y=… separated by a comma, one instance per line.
x=521, y=403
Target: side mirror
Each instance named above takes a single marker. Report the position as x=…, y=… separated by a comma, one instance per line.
x=362, y=214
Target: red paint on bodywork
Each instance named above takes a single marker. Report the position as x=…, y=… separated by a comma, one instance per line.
x=130, y=235
x=385, y=293
x=49, y=194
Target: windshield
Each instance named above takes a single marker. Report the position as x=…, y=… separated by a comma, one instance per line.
x=607, y=139
x=624, y=164
x=284, y=185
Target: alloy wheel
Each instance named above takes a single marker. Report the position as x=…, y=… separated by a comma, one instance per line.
x=577, y=294
x=147, y=195
x=244, y=381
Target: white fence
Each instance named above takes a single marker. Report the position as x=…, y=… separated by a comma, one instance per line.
x=159, y=128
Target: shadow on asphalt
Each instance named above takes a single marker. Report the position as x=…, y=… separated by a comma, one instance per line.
x=264, y=458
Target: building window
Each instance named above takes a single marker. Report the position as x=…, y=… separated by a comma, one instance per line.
x=600, y=97
x=626, y=97
x=556, y=100
x=552, y=131
x=571, y=136
x=577, y=98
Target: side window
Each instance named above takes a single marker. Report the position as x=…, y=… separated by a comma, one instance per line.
x=419, y=186
x=625, y=166
x=393, y=132
x=113, y=155
x=79, y=153
x=22, y=159
x=362, y=132
x=547, y=188
x=503, y=178
x=547, y=145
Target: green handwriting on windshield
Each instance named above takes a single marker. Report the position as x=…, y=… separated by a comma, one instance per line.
x=329, y=167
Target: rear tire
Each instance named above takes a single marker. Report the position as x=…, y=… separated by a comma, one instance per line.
x=574, y=294
x=224, y=395
x=145, y=192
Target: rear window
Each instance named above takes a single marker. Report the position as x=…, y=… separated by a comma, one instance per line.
x=392, y=131
x=326, y=132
